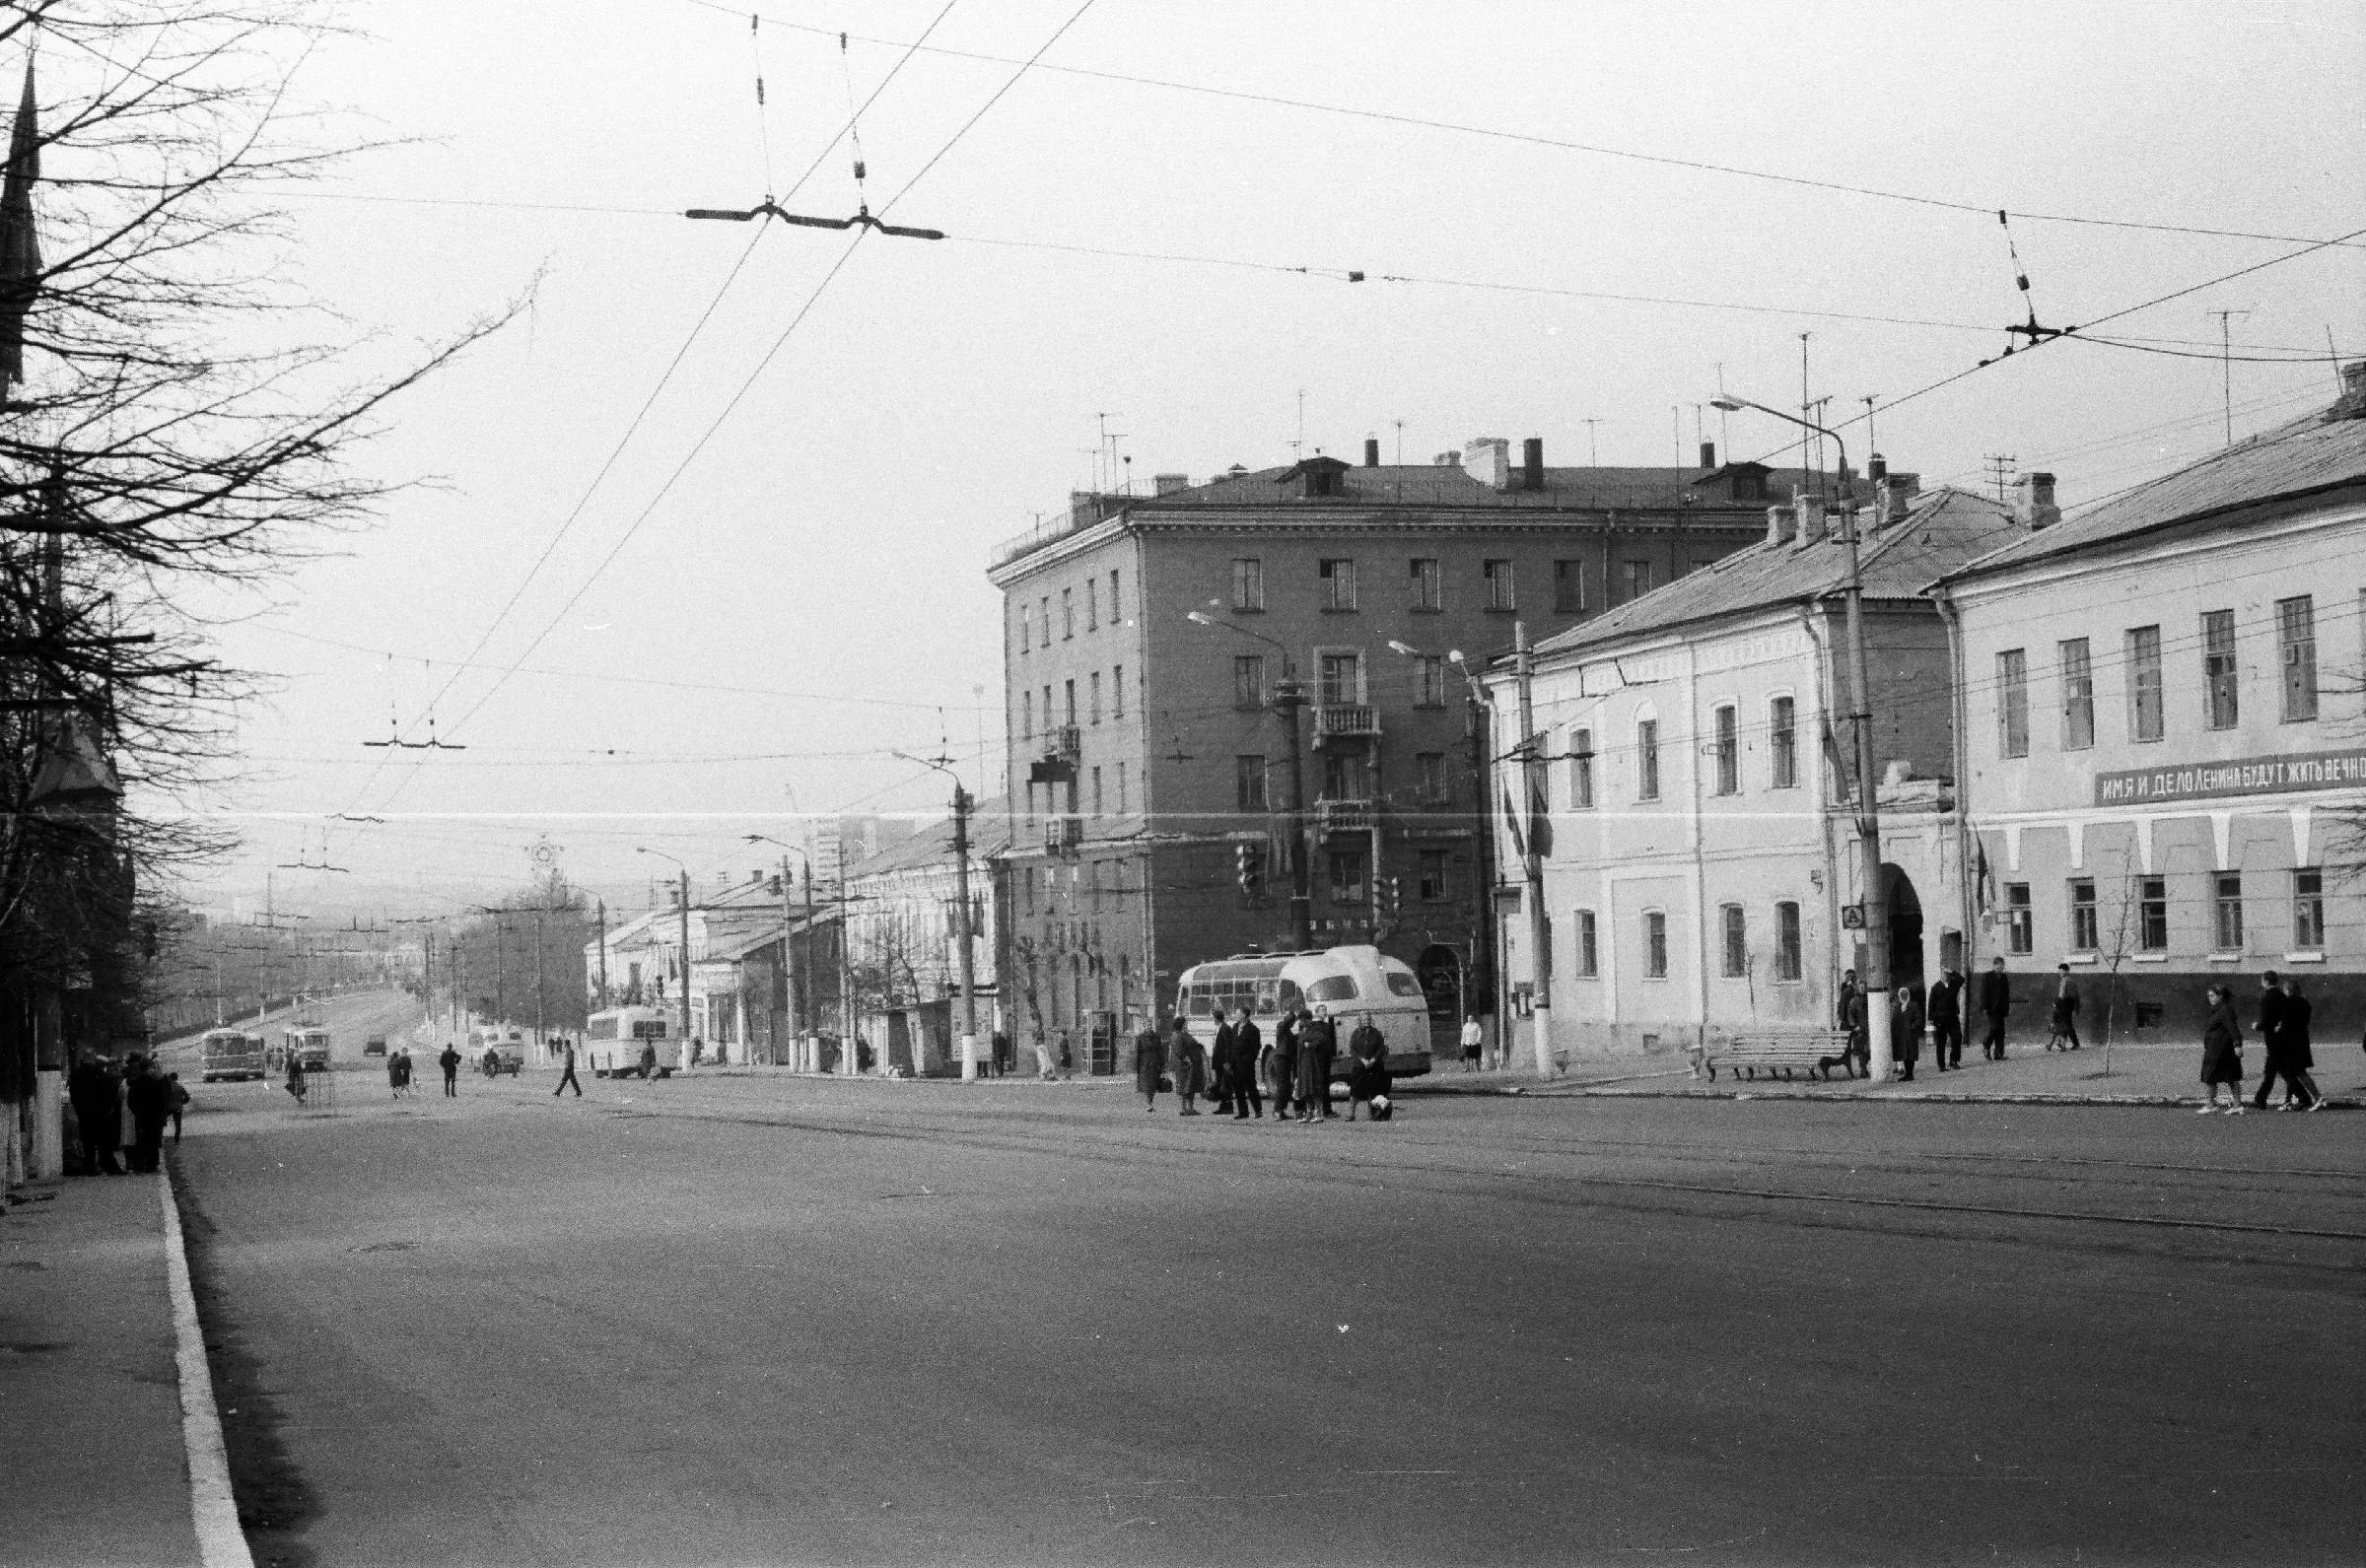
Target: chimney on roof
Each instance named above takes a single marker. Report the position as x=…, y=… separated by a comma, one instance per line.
x=1532, y=463
x=1487, y=459
x=1168, y=484
x=1371, y=451
x=2351, y=404
x=1814, y=524
x=1778, y=524
x=1709, y=454
x=1448, y=459
x=2033, y=501
x=1896, y=497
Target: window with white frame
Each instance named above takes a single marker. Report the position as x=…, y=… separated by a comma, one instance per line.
x=1656, y=944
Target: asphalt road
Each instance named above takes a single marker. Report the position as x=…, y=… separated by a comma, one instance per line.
x=773, y=1320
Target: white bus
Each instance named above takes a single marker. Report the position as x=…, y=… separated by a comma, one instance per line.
x=612, y=1040
x=232, y=1053
x=1349, y=983
x=307, y=1044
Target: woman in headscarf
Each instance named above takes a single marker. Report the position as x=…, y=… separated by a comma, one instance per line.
x=2222, y=1054
x=1905, y=1031
x=1149, y=1066
x=1190, y=1066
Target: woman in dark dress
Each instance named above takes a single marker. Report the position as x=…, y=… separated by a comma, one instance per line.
x=2222, y=1054
x=1149, y=1066
x=1191, y=1067
x=1367, y=1068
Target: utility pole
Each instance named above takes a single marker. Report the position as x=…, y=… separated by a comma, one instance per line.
x=962, y=933
x=848, y=1061
x=1288, y=698
x=500, y=975
x=1540, y=922
x=541, y=1040
x=686, y=936
x=602, y=928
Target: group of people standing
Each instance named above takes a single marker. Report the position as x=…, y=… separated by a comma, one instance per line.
x=1244, y=1068
x=1942, y=1011
x=127, y=1111
x=2284, y=1026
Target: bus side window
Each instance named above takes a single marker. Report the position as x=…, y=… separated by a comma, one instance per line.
x=1286, y=993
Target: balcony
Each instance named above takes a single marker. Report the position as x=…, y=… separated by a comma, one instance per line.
x=1068, y=742
x=1345, y=720
x=1063, y=834
x=1343, y=816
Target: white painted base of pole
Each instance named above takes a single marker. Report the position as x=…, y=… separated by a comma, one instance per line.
x=213, y=1510
x=1881, y=1061
x=49, y=1124
x=969, y=1059
x=1539, y=1027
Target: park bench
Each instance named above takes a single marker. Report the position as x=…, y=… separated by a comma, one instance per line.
x=1814, y=1049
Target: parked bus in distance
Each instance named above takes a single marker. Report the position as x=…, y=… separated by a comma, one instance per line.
x=1346, y=981
x=612, y=1040
x=307, y=1044
x=232, y=1053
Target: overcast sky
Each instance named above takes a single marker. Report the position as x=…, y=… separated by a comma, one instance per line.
x=808, y=596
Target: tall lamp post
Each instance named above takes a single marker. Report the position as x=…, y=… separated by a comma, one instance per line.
x=797, y=1011
x=1876, y=900
x=684, y=912
x=1288, y=700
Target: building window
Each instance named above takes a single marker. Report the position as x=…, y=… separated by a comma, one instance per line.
x=1121, y=789
x=1655, y=945
x=1095, y=695
x=2020, y=921
x=2086, y=932
x=1339, y=679
x=1248, y=680
x=1569, y=588
x=1787, y=962
x=1736, y=932
x=2218, y=673
x=1429, y=777
x=1346, y=876
x=1068, y=612
x=2012, y=703
x=1096, y=803
x=1433, y=876
x=1248, y=782
x=2145, y=710
x=1581, y=769
x=1248, y=583
x=2229, y=931
x=1590, y=951
x=1646, y=759
x=1344, y=775
x=1502, y=593
x=1639, y=576
x=1729, y=753
x=1783, y=741
x=1115, y=616
x=2078, y=695
x=1429, y=682
x=1117, y=692
x=1027, y=715
x=1044, y=621
x=1339, y=584
x=2296, y=640
x=2152, y=915
x=1092, y=604
x=2308, y=908
x=1026, y=631
x=1427, y=594
x=1069, y=687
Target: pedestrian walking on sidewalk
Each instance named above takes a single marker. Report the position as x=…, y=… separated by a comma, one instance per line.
x=1905, y=1031
x=1474, y=1040
x=2222, y=1052
x=2300, y=1052
x=1149, y=1066
x=1248, y=1043
x=92, y=1089
x=450, y=1060
x=2065, y=1023
x=1853, y=1019
x=1947, y=1020
x=1995, y=1001
x=1220, y=1067
x=1284, y=1059
x=1367, y=1068
x=568, y=1079
x=2278, y=1058
x=294, y=1084
x=149, y=1097
x=1191, y=1067
x=177, y=1099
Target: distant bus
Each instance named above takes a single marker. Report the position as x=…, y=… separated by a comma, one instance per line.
x=1348, y=982
x=613, y=1039
x=232, y=1053
x=306, y=1044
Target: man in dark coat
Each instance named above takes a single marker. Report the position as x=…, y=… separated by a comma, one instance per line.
x=1995, y=1001
x=148, y=1098
x=1318, y=1043
x=1947, y=1020
x=1248, y=1043
x=568, y=1079
x=1285, y=1063
x=1149, y=1066
x=1367, y=1070
x=1220, y=1067
x=92, y=1089
x=2064, y=1035
x=1849, y=1014
x=2275, y=1040
x=2300, y=1052
x=450, y=1062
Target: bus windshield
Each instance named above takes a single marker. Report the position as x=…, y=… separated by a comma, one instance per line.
x=1333, y=987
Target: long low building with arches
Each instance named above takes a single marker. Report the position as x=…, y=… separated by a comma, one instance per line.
x=1695, y=824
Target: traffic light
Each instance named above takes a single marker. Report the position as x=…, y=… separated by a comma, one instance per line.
x=1248, y=864
x=1394, y=897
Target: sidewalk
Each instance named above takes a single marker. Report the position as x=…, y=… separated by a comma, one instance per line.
x=90, y=1398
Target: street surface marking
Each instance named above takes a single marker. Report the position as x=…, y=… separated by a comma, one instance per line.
x=221, y=1543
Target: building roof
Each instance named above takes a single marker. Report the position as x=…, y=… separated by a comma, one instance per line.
x=2323, y=451
x=1944, y=529
x=1452, y=484
x=926, y=841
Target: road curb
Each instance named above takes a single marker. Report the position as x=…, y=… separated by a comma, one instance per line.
x=213, y=1508
x=2186, y=1102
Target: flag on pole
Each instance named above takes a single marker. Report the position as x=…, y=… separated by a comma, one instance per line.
x=20, y=246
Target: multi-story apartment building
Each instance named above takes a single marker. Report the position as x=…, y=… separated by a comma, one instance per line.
x=1150, y=781
x=2164, y=733
x=1702, y=851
